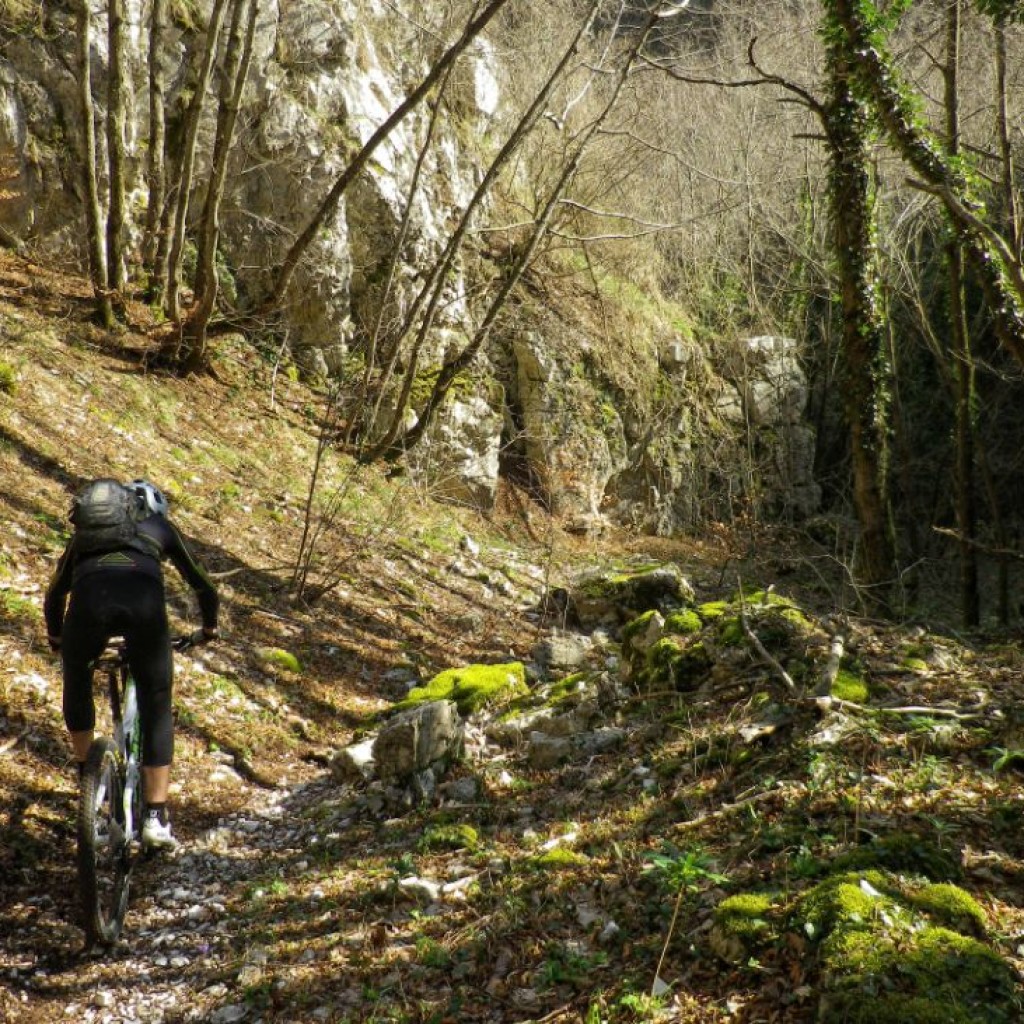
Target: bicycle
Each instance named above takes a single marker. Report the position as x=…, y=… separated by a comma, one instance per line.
x=110, y=803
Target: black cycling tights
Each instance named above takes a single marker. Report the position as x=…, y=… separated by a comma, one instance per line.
x=121, y=602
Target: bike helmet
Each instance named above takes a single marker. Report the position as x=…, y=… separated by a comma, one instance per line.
x=151, y=498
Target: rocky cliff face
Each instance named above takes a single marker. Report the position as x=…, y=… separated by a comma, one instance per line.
x=640, y=439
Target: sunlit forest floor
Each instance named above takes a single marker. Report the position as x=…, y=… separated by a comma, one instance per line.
x=584, y=892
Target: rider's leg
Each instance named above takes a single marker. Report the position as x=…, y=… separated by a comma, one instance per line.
x=81, y=741
x=158, y=781
x=149, y=655
x=83, y=639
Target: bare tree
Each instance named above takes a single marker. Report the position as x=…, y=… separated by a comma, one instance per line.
x=431, y=293
x=93, y=210
x=192, y=356
x=186, y=168
x=1003, y=13
x=116, y=146
x=522, y=259
x=156, y=165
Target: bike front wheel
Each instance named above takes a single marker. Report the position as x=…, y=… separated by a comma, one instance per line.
x=104, y=848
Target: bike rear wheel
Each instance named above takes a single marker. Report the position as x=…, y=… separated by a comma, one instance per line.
x=104, y=848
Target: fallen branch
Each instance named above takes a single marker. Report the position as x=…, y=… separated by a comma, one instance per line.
x=8, y=745
x=763, y=653
x=727, y=809
x=958, y=714
x=835, y=659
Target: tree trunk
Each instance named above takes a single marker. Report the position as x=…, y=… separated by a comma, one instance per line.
x=187, y=166
x=115, y=147
x=193, y=356
x=93, y=211
x=156, y=167
x=963, y=366
x=864, y=355
x=1011, y=214
x=330, y=204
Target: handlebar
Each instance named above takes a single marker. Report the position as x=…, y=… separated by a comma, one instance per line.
x=116, y=653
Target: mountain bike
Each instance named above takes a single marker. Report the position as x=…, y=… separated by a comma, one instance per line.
x=110, y=804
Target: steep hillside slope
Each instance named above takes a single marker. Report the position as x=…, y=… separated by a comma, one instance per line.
x=683, y=866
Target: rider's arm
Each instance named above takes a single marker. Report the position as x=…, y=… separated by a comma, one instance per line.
x=56, y=595
x=194, y=575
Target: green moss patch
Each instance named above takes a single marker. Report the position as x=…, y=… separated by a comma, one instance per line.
x=276, y=657
x=674, y=662
x=850, y=687
x=741, y=923
x=683, y=622
x=711, y=610
x=889, y=951
x=472, y=687
x=561, y=858
x=886, y=950
x=458, y=836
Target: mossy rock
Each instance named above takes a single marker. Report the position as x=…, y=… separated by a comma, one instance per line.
x=621, y=596
x=277, y=657
x=951, y=905
x=634, y=633
x=742, y=924
x=472, y=687
x=888, y=955
x=675, y=663
x=637, y=626
x=730, y=630
x=917, y=975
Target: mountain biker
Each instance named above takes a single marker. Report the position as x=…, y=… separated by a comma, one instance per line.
x=120, y=592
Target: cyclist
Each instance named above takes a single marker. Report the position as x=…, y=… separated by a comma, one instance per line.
x=119, y=591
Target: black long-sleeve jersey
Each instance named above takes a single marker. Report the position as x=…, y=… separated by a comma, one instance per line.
x=166, y=543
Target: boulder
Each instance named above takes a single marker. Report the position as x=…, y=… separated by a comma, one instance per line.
x=417, y=739
x=617, y=597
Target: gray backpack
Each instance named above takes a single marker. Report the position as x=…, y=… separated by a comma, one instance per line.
x=105, y=515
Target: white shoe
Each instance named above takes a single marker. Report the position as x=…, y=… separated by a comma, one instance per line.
x=157, y=836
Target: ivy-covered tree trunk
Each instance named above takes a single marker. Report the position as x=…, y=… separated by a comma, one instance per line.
x=960, y=351
x=859, y=33
x=864, y=349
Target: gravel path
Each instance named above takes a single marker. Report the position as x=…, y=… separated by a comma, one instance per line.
x=182, y=951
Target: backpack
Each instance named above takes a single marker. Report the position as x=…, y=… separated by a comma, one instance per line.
x=105, y=515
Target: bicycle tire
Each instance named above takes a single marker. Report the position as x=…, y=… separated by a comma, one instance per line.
x=104, y=851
